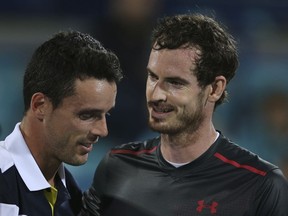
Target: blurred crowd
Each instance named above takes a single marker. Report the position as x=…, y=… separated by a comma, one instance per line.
x=256, y=116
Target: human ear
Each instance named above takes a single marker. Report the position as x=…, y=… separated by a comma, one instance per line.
x=38, y=105
x=217, y=88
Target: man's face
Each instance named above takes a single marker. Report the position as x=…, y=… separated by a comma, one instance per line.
x=174, y=99
x=71, y=129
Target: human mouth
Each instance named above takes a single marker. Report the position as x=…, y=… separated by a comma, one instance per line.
x=88, y=144
x=160, y=111
x=86, y=147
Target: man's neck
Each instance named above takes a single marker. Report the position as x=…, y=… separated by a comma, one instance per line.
x=34, y=140
x=183, y=148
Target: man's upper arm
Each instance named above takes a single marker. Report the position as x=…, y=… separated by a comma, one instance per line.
x=91, y=202
x=272, y=197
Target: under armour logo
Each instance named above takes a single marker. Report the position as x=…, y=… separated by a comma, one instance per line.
x=202, y=205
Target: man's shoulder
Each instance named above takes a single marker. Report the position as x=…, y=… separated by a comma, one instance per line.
x=9, y=177
x=137, y=147
x=6, y=161
x=240, y=157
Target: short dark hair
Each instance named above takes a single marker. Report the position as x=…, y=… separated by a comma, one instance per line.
x=58, y=62
x=218, y=48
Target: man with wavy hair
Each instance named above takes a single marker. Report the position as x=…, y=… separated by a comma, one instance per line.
x=191, y=168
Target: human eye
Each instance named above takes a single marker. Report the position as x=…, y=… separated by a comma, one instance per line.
x=85, y=116
x=108, y=114
x=89, y=115
x=152, y=76
x=176, y=83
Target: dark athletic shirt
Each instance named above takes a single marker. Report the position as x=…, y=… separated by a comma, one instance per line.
x=135, y=180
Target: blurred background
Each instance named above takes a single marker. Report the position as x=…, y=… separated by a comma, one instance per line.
x=256, y=116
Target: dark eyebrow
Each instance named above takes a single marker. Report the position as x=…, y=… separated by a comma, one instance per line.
x=178, y=79
x=174, y=78
x=95, y=111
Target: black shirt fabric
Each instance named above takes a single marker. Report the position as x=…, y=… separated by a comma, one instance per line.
x=135, y=180
x=14, y=193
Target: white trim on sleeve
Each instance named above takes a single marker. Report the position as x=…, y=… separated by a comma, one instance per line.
x=9, y=209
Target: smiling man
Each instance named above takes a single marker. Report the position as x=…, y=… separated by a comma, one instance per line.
x=70, y=85
x=191, y=168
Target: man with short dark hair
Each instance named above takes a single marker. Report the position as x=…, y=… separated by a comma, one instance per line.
x=70, y=85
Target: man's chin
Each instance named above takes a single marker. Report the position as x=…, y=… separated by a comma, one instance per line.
x=79, y=161
x=160, y=128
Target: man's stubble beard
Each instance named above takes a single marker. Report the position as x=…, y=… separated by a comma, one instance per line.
x=188, y=121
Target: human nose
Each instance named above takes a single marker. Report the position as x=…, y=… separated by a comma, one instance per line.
x=157, y=92
x=100, y=128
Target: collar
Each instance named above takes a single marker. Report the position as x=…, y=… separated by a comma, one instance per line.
x=25, y=163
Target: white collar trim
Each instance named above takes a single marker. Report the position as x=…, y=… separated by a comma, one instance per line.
x=25, y=163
